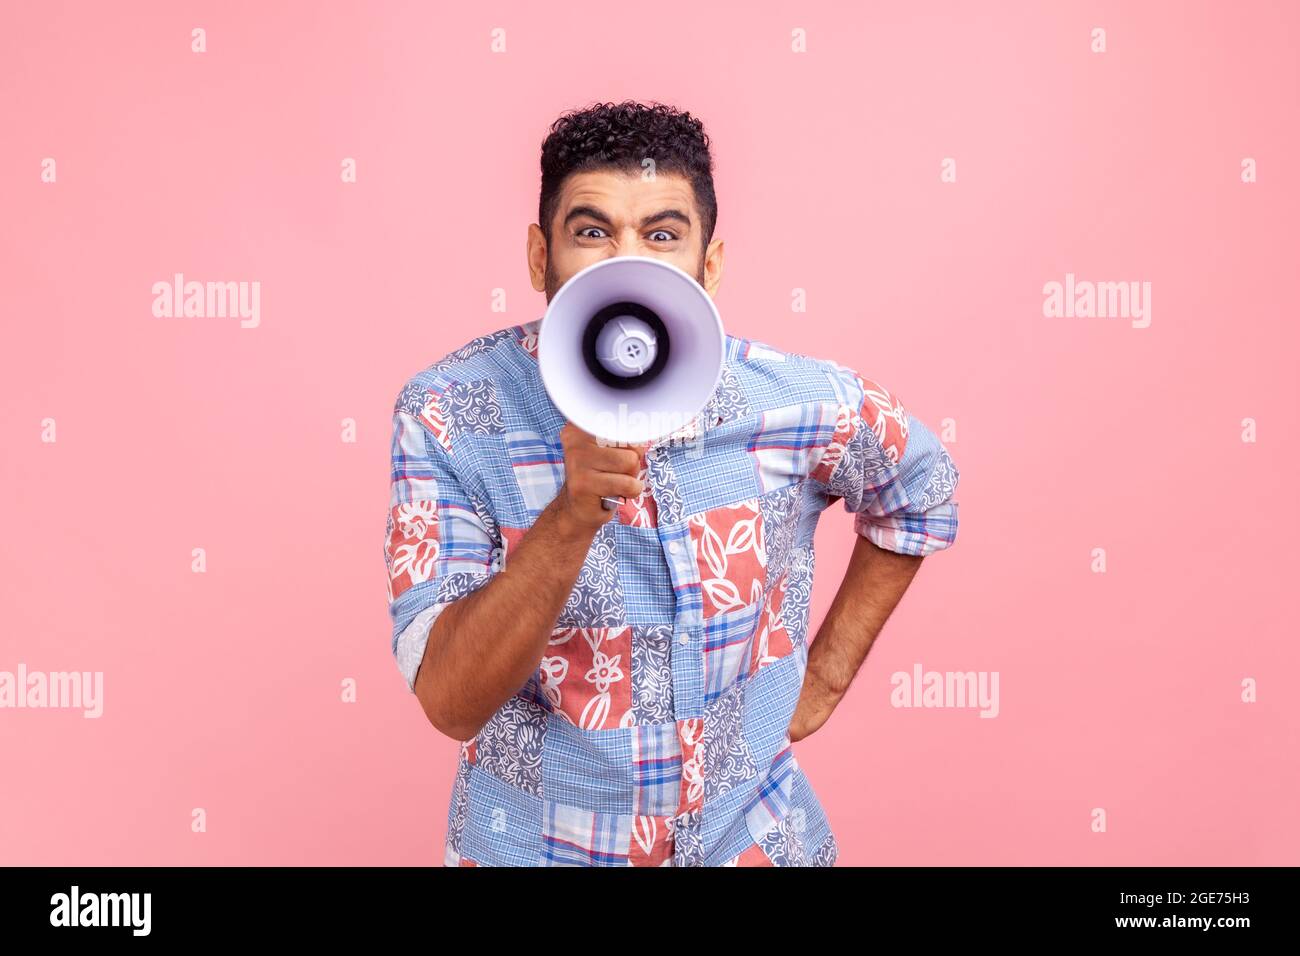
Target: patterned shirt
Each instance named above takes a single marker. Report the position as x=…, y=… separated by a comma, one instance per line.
x=655, y=730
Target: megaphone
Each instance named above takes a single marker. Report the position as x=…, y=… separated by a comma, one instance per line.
x=631, y=349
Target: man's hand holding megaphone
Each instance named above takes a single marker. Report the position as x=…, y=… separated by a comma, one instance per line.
x=596, y=476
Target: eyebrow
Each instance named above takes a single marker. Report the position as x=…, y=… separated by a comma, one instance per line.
x=591, y=212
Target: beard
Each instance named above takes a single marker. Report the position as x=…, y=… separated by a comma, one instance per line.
x=553, y=282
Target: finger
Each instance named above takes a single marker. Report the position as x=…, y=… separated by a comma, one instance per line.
x=616, y=486
x=615, y=460
x=620, y=443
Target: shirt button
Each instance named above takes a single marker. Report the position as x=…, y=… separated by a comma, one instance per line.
x=674, y=547
x=683, y=638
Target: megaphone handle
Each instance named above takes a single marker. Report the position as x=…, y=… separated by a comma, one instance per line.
x=611, y=504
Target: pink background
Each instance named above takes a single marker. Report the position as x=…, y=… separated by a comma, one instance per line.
x=222, y=690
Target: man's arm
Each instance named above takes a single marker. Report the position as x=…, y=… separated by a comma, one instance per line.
x=872, y=587
x=483, y=647
x=898, y=481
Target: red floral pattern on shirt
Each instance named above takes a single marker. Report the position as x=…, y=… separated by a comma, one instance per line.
x=412, y=545
x=730, y=551
x=586, y=675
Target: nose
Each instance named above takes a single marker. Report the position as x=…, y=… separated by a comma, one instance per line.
x=625, y=246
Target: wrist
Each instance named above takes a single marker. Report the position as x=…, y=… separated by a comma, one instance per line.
x=566, y=524
x=825, y=679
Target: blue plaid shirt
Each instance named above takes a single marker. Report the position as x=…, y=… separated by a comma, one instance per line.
x=655, y=730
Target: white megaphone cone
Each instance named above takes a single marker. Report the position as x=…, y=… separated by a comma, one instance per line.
x=631, y=349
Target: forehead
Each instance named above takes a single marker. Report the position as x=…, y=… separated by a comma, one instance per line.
x=619, y=194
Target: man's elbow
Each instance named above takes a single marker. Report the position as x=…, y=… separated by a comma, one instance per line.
x=456, y=730
x=443, y=719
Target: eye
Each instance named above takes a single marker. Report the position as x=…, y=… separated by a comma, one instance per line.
x=583, y=232
x=668, y=236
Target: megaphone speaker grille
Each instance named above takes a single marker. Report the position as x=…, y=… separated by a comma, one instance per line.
x=648, y=338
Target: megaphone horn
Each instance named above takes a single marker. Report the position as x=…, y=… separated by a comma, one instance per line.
x=630, y=349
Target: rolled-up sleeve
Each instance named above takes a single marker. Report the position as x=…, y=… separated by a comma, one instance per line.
x=440, y=542
x=891, y=471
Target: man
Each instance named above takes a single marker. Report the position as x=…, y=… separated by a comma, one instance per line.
x=626, y=685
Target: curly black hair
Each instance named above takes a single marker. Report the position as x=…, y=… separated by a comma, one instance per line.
x=620, y=136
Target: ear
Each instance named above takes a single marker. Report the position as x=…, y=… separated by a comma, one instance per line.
x=536, y=252
x=713, y=257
